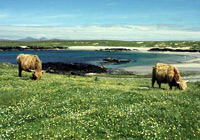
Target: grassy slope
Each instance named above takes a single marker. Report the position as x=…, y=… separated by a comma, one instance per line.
x=192, y=44
x=59, y=106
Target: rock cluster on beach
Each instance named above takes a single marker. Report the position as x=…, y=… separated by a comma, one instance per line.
x=115, y=49
x=114, y=61
x=173, y=50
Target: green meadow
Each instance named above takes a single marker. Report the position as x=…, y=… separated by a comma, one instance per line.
x=161, y=44
x=95, y=107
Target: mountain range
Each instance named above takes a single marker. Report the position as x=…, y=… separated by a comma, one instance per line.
x=32, y=39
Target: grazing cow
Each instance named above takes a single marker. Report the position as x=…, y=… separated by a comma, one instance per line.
x=30, y=63
x=163, y=73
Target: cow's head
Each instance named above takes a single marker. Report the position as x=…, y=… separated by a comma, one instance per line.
x=37, y=74
x=182, y=85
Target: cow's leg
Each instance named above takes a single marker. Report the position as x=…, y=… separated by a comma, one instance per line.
x=20, y=71
x=159, y=84
x=153, y=81
x=170, y=86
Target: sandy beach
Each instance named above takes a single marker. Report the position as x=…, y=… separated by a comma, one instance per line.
x=192, y=65
x=141, y=49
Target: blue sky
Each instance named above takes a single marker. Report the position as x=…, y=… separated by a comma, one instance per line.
x=160, y=19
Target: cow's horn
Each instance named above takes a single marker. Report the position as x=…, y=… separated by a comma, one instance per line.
x=43, y=71
x=178, y=82
x=31, y=70
x=187, y=81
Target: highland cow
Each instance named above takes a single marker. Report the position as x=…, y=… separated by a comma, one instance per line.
x=163, y=73
x=30, y=63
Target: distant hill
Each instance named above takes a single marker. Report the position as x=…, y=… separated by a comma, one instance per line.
x=32, y=39
x=27, y=39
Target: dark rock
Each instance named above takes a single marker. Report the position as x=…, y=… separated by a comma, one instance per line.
x=115, y=49
x=114, y=60
x=73, y=68
x=111, y=60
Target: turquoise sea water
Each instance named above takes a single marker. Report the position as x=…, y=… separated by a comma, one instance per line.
x=95, y=57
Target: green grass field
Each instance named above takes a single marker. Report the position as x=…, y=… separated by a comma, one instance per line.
x=161, y=44
x=73, y=107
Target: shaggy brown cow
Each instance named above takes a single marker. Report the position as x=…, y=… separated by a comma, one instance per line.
x=163, y=73
x=30, y=63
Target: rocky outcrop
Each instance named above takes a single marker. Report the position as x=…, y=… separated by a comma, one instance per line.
x=173, y=50
x=32, y=48
x=114, y=60
x=115, y=49
x=72, y=68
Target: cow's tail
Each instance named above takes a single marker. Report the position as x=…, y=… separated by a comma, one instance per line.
x=18, y=59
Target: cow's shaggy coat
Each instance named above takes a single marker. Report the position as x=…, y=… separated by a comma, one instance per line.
x=163, y=73
x=30, y=63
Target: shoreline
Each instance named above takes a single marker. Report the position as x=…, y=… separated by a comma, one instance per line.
x=192, y=65
x=189, y=65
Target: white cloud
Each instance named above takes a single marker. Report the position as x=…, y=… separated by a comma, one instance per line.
x=3, y=15
x=128, y=32
x=60, y=16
